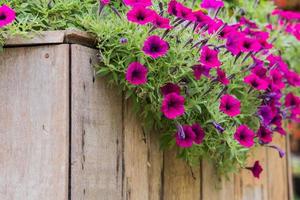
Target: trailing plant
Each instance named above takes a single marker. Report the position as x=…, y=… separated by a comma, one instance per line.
x=213, y=78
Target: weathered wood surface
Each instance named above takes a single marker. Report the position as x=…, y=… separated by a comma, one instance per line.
x=96, y=169
x=111, y=157
x=34, y=121
x=71, y=36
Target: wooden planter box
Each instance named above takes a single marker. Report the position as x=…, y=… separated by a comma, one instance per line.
x=66, y=135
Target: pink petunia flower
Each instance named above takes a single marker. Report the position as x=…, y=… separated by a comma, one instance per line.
x=104, y=2
x=221, y=77
x=185, y=136
x=155, y=47
x=233, y=43
x=184, y=12
x=170, y=88
x=212, y=4
x=209, y=57
x=200, y=70
x=250, y=45
x=276, y=78
x=136, y=73
x=201, y=19
x=161, y=22
x=260, y=71
x=172, y=7
x=144, y=3
x=199, y=132
x=256, y=82
x=173, y=106
x=230, y=105
x=256, y=169
x=245, y=136
x=248, y=23
x=7, y=15
x=264, y=134
x=141, y=15
x=292, y=78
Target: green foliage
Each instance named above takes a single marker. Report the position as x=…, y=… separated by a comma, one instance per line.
x=201, y=106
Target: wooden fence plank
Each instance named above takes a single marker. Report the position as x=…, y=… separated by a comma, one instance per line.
x=34, y=123
x=135, y=180
x=96, y=132
x=246, y=186
x=214, y=187
x=179, y=183
x=277, y=170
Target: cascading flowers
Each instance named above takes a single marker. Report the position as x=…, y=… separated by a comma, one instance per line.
x=214, y=85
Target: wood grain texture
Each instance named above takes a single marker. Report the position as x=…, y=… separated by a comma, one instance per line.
x=277, y=171
x=135, y=178
x=96, y=132
x=34, y=123
x=180, y=182
x=246, y=186
x=214, y=187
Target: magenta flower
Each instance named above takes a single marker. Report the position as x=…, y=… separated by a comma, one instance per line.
x=250, y=45
x=136, y=73
x=266, y=113
x=278, y=62
x=172, y=7
x=161, y=22
x=227, y=30
x=185, y=136
x=212, y=4
x=209, y=57
x=104, y=2
x=140, y=15
x=199, y=132
x=256, y=169
x=230, y=105
x=260, y=71
x=292, y=78
x=256, y=82
x=221, y=77
x=233, y=43
x=155, y=47
x=7, y=15
x=144, y=3
x=170, y=88
x=184, y=12
x=248, y=23
x=200, y=70
x=245, y=136
x=173, y=106
x=264, y=134
x=292, y=102
x=276, y=78
x=201, y=19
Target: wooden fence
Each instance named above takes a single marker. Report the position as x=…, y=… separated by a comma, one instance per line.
x=66, y=135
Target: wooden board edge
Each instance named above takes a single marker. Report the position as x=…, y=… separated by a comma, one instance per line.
x=69, y=36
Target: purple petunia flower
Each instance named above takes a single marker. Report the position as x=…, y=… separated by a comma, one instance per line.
x=212, y=4
x=218, y=126
x=256, y=82
x=276, y=78
x=201, y=19
x=199, y=132
x=209, y=57
x=141, y=15
x=200, y=70
x=260, y=71
x=245, y=136
x=230, y=105
x=170, y=88
x=256, y=169
x=292, y=78
x=221, y=77
x=266, y=114
x=172, y=7
x=280, y=151
x=155, y=47
x=144, y=3
x=136, y=73
x=173, y=106
x=264, y=134
x=7, y=15
x=185, y=136
x=233, y=43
